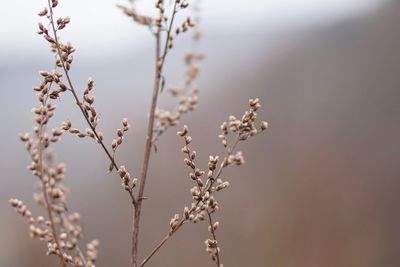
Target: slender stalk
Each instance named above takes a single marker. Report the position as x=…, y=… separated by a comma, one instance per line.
x=45, y=196
x=161, y=243
x=53, y=227
x=214, y=236
x=73, y=91
x=159, y=63
x=147, y=152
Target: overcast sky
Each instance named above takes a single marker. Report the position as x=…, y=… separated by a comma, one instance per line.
x=100, y=20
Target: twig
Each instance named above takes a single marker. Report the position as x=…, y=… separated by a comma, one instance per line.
x=73, y=91
x=159, y=63
x=214, y=237
x=44, y=189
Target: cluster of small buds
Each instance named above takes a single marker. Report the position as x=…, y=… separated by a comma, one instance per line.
x=264, y=125
x=166, y=119
x=188, y=102
x=40, y=228
x=77, y=132
x=45, y=111
x=212, y=165
x=126, y=179
x=188, y=23
x=191, y=73
x=37, y=232
x=69, y=242
x=48, y=78
x=52, y=249
x=66, y=55
x=120, y=134
x=174, y=223
x=199, y=216
x=212, y=248
x=211, y=205
x=26, y=138
x=214, y=227
x=56, y=133
x=196, y=173
x=21, y=208
x=246, y=126
x=92, y=250
x=221, y=185
x=196, y=193
x=62, y=22
x=182, y=3
x=43, y=12
x=236, y=159
x=54, y=3
x=140, y=19
x=65, y=58
x=224, y=134
x=87, y=104
x=67, y=126
x=183, y=28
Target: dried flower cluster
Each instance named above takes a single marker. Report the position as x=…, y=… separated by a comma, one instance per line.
x=210, y=181
x=60, y=228
x=64, y=60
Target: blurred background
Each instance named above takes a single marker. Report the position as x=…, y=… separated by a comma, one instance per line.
x=320, y=188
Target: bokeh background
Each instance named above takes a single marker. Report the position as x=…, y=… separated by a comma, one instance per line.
x=321, y=188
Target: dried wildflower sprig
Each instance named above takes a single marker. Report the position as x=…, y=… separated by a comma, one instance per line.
x=61, y=231
x=165, y=119
x=140, y=19
x=64, y=60
x=186, y=93
x=204, y=204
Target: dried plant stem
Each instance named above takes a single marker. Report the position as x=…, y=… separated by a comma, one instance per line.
x=45, y=196
x=159, y=63
x=229, y=151
x=214, y=236
x=50, y=214
x=73, y=91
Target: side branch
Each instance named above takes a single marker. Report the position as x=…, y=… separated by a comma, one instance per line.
x=73, y=91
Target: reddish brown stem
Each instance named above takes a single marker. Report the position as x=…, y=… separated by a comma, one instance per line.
x=159, y=63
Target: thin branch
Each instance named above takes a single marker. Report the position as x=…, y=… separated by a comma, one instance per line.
x=162, y=242
x=214, y=237
x=159, y=63
x=44, y=189
x=73, y=91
